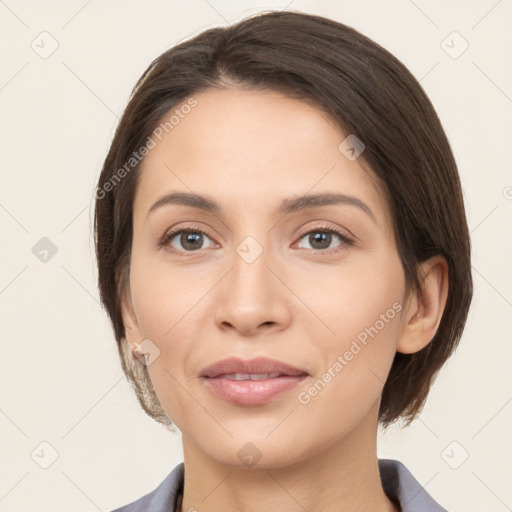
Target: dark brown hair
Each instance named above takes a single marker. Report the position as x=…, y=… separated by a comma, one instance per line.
x=367, y=92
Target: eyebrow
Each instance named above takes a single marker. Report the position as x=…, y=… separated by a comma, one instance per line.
x=287, y=205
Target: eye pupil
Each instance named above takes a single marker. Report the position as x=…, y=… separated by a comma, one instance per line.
x=191, y=240
x=324, y=238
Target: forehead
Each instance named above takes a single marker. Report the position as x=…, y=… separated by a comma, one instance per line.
x=251, y=145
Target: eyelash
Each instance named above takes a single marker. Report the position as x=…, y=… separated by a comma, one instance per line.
x=345, y=240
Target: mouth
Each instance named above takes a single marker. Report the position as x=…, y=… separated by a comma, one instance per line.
x=257, y=368
x=252, y=382
x=249, y=376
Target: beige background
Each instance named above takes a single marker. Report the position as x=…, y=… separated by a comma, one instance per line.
x=60, y=379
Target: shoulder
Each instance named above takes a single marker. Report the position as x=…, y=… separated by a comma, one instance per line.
x=162, y=498
x=401, y=486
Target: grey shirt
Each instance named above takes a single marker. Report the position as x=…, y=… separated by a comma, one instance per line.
x=398, y=483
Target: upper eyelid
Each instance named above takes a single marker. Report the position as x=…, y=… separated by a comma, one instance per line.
x=326, y=227
x=301, y=232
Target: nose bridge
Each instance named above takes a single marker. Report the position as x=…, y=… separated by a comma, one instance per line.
x=251, y=249
x=250, y=275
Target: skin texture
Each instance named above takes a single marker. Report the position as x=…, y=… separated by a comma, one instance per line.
x=297, y=302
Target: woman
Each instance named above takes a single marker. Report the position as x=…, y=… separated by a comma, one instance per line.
x=284, y=255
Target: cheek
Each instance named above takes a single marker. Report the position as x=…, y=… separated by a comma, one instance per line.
x=355, y=367
x=162, y=296
x=170, y=309
x=362, y=310
x=354, y=297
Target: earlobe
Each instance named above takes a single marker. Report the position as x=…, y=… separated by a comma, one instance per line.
x=425, y=308
x=131, y=324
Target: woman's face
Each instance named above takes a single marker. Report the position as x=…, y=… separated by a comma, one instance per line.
x=254, y=279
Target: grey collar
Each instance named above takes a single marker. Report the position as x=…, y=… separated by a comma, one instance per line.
x=398, y=483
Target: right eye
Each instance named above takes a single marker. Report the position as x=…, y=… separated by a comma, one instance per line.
x=185, y=240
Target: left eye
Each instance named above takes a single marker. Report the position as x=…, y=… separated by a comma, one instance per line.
x=321, y=239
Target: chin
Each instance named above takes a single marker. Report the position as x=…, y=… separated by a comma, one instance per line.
x=257, y=452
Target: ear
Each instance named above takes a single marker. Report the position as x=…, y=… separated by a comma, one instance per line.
x=131, y=324
x=425, y=308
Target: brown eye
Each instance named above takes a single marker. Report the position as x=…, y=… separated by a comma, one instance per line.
x=185, y=240
x=320, y=239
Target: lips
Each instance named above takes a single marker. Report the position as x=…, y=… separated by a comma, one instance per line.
x=253, y=382
x=254, y=369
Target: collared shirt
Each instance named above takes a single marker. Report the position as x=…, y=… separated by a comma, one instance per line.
x=397, y=481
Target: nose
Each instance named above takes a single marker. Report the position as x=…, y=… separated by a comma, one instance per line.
x=252, y=298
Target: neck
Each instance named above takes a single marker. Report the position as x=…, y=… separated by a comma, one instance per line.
x=341, y=476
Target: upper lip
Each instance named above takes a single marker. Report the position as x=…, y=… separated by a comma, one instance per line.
x=257, y=365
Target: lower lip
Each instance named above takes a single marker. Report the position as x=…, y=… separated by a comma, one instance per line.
x=252, y=392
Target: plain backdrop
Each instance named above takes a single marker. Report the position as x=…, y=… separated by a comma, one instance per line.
x=73, y=435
